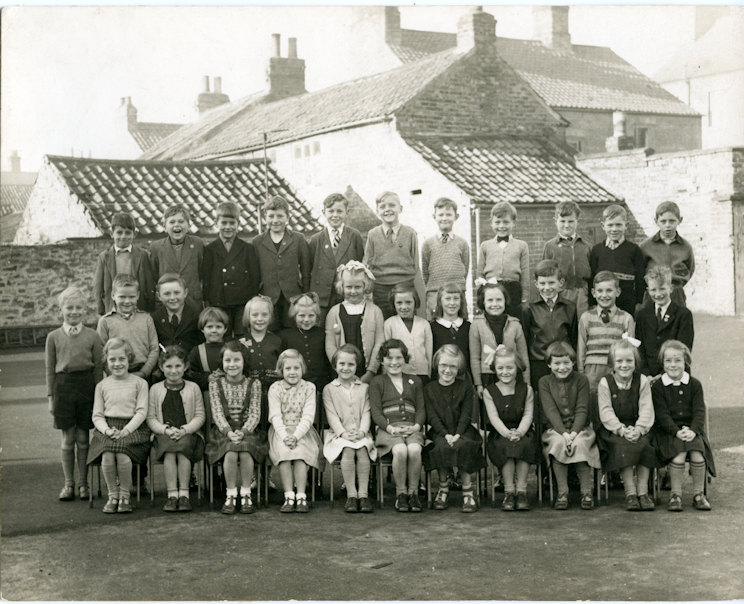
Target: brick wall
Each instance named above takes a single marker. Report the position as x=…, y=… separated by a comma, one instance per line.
x=479, y=94
x=665, y=133
x=702, y=183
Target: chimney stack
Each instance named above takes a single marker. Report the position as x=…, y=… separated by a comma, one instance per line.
x=277, y=38
x=207, y=100
x=285, y=75
x=128, y=113
x=476, y=29
x=551, y=26
x=392, y=25
x=618, y=141
x=15, y=161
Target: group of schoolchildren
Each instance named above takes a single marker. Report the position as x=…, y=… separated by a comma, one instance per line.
x=236, y=351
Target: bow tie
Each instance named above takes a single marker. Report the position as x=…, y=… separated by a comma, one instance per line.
x=566, y=239
x=499, y=238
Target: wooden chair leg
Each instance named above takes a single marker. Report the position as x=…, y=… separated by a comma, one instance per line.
x=152, y=480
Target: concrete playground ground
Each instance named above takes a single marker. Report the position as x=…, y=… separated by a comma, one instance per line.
x=66, y=551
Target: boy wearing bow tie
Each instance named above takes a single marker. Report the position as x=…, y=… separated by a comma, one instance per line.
x=572, y=254
x=445, y=257
x=661, y=319
x=123, y=258
x=335, y=245
x=505, y=259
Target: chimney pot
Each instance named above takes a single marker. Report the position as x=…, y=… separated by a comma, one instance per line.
x=392, y=25
x=292, y=48
x=277, y=45
x=286, y=75
x=551, y=26
x=205, y=83
x=15, y=161
x=476, y=29
x=217, y=85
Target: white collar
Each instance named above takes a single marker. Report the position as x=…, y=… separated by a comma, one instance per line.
x=123, y=249
x=663, y=309
x=66, y=327
x=331, y=229
x=353, y=309
x=337, y=382
x=450, y=324
x=386, y=229
x=666, y=380
x=554, y=299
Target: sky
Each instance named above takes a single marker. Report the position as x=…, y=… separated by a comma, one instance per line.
x=65, y=69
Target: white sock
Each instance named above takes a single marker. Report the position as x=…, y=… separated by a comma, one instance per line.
x=289, y=495
x=301, y=496
x=232, y=492
x=245, y=491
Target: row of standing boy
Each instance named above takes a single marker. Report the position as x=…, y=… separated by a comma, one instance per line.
x=359, y=322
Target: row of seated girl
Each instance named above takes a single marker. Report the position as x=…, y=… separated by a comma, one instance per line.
x=400, y=407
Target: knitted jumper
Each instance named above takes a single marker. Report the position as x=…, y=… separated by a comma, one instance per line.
x=392, y=262
x=596, y=337
x=510, y=263
x=445, y=262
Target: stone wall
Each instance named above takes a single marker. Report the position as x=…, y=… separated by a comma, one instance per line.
x=702, y=183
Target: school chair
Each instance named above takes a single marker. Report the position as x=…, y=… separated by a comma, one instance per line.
x=198, y=471
x=210, y=478
x=598, y=474
x=97, y=465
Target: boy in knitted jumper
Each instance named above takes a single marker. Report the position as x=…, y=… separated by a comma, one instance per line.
x=445, y=257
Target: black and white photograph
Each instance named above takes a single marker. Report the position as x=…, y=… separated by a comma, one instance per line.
x=372, y=303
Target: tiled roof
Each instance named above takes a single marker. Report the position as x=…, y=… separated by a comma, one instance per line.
x=13, y=198
x=587, y=77
x=148, y=134
x=517, y=170
x=146, y=188
x=240, y=126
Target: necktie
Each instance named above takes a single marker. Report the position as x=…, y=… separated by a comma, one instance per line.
x=604, y=315
x=445, y=237
x=335, y=238
x=659, y=318
x=499, y=238
x=174, y=321
x=550, y=304
x=74, y=330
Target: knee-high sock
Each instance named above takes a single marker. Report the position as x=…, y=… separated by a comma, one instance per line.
x=68, y=466
x=698, y=476
x=363, y=468
x=676, y=473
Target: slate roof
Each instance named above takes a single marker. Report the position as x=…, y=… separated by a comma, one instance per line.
x=587, y=77
x=13, y=198
x=149, y=134
x=240, y=126
x=146, y=188
x=505, y=168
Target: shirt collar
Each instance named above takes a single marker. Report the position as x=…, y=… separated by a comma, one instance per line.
x=450, y=324
x=123, y=249
x=123, y=316
x=666, y=380
x=66, y=327
x=610, y=310
x=664, y=309
x=331, y=229
x=674, y=239
x=177, y=315
x=554, y=299
x=614, y=244
x=337, y=382
x=386, y=229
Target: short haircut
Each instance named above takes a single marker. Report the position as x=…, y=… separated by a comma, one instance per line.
x=623, y=344
x=348, y=349
x=123, y=220
x=445, y=202
x=287, y=355
x=548, y=268
x=171, y=278
x=232, y=346
x=334, y=198
x=658, y=274
x=384, y=195
x=368, y=285
x=567, y=208
x=259, y=299
x=116, y=344
x=480, y=298
x=504, y=208
x=228, y=209
x=452, y=351
x=402, y=288
x=559, y=349
x=212, y=314
x=124, y=280
x=675, y=345
x=451, y=288
x=309, y=299
x=668, y=206
x=392, y=344
x=603, y=276
x=71, y=293
x=276, y=204
x=177, y=208
x=613, y=211
x=172, y=351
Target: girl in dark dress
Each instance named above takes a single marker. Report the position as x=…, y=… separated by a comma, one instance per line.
x=512, y=444
x=455, y=442
x=626, y=413
x=679, y=431
x=450, y=326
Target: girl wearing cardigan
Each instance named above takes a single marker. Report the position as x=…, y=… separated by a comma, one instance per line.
x=175, y=415
x=356, y=320
x=413, y=331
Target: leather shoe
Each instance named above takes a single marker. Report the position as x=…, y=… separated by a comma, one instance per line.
x=352, y=505
x=171, y=505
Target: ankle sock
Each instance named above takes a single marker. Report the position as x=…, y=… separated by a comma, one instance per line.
x=289, y=495
x=245, y=491
x=233, y=492
x=172, y=493
x=183, y=493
